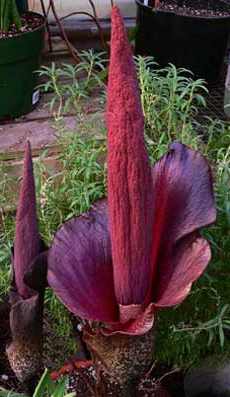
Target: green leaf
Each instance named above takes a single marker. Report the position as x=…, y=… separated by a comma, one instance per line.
x=60, y=389
x=15, y=15
x=6, y=16
x=9, y=15
x=221, y=336
x=44, y=384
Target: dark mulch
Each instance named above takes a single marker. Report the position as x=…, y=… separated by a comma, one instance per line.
x=160, y=382
x=30, y=22
x=199, y=8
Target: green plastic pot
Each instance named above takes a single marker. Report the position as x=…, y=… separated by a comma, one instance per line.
x=19, y=61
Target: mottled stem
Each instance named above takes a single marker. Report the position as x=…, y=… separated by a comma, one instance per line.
x=26, y=324
x=25, y=351
x=120, y=361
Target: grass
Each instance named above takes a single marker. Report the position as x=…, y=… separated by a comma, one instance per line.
x=6, y=229
x=171, y=100
x=72, y=190
x=72, y=84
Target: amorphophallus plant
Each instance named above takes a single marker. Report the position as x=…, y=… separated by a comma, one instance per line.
x=140, y=251
x=28, y=284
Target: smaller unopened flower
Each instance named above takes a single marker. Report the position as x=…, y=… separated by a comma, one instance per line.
x=140, y=251
x=28, y=283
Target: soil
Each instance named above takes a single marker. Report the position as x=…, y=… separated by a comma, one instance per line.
x=197, y=8
x=7, y=377
x=30, y=22
x=161, y=381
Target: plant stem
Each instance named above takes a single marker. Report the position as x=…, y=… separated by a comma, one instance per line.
x=120, y=360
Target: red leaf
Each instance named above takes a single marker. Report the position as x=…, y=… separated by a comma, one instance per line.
x=129, y=174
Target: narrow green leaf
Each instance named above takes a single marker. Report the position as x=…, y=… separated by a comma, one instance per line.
x=15, y=15
x=60, y=389
x=221, y=336
x=44, y=384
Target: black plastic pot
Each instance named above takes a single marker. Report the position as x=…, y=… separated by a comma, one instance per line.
x=208, y=381
x=19, y=61
x=195, y=43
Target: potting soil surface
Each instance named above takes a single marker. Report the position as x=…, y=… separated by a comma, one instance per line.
x=198, y=8
x=29, y=23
